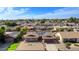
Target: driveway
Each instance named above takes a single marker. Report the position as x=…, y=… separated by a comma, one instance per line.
x=51, y=47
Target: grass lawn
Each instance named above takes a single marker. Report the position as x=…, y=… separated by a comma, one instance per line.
x=75, y=44
x=13, y=47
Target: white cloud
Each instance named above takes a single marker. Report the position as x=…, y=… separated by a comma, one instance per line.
x=11, y=13
x=2, y=9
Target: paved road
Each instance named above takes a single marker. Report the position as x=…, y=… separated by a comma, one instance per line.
x=3, y=47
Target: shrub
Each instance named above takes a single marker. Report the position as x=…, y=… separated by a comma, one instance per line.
x=76, y=44
x=13, y=47
x=68, y=45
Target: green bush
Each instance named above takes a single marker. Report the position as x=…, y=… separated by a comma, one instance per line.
x=68, y=44
x=76, y=44
x=13, y=47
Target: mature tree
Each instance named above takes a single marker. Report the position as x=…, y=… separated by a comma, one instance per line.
x=70, y=29
x=23, y=30
x=2, y=36
x=17, y=28
x=60, y=29
x=43, y=21
x=18, y=38
x=9, y=23
x=73, y=19
x=55, y=20
x=20, y=35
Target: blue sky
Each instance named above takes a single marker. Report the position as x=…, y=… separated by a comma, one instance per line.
x=38, y=12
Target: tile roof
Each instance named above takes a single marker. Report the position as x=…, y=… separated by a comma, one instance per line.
x=31, y=35
x=48, y=35
x=12, y=34
x=69, y=34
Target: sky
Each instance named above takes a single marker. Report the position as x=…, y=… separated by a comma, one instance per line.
x=38, y=12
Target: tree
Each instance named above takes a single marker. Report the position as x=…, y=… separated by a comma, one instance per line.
x=2, y=36
x=55, y=20
x=23, y=30
x=70, y=29
x=8, y=23
x=20, y=35
x=3, y=28
x=73, y=19
x=43, y=21
x=17, y=28
x=60, y=29
x=18, y=38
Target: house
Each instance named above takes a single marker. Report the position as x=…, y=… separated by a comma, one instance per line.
x=30, y=27
x=30, y=46
x=68, y=36
x=10, y=36
x=40, y=27
x=20, y=23
x=31, y=36
x=49, y=37
x=71, y=24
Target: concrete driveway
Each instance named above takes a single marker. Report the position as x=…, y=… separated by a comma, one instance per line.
x=51, y=47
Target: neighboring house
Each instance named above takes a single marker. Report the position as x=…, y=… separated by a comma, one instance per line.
x=20, y=23
x=47, y=24
x=68, y=36
x=10, y=36
x=72, y=25
x=49, y=37
x=31, y=37
x=40, y=27
x=61, y=24
x=30, y=46
x=76, y=29
x=30, y=27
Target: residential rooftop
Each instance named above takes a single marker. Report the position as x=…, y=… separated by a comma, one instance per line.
x=12, y=34
x=31, y=35
x=48, y=35
x=69, y=34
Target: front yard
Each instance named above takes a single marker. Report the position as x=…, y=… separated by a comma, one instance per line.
x=70, y=44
